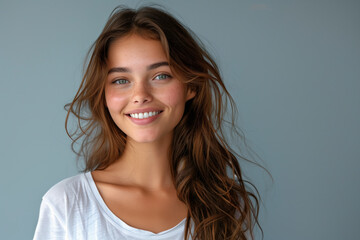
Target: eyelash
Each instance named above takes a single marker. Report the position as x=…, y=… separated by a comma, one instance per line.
x=167, y=76
x=162, y=76
x=123, y=81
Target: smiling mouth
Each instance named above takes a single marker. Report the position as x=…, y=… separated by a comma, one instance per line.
x=143, y=115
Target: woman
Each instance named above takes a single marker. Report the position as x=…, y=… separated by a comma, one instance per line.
x=150, y=114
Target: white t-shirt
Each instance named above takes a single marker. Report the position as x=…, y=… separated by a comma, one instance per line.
x=74, y=210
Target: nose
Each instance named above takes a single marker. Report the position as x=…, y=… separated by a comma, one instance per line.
x=141, y=93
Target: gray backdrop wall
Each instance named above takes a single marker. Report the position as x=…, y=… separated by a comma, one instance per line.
x=293, y=68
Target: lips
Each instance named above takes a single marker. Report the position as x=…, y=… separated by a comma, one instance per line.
x=143, y=115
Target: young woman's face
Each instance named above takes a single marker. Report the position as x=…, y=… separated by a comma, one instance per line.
x=144, y=98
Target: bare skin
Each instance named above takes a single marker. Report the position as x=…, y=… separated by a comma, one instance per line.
x=138, y=187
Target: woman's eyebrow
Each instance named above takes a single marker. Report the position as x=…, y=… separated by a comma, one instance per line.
x=156, y=65
x=126, y=70
x=118, y=69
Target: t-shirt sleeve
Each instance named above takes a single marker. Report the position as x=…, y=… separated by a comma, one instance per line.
x=50, y=224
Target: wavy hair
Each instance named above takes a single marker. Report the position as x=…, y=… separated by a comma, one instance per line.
x=205, y=170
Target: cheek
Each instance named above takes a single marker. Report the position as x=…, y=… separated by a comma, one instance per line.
x=175, y=96
x=114, y=100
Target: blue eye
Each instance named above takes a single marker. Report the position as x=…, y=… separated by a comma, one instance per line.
x=162, y=76
x=120, y=81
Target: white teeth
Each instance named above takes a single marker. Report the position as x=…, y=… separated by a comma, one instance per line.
x=143, y=115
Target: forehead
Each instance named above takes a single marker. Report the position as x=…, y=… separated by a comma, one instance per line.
x=134, y=50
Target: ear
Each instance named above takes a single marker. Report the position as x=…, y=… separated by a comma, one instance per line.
x=190, y=94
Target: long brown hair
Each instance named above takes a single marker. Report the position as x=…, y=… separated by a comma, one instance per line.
x=205, y=170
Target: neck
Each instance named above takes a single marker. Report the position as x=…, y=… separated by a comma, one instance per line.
x=145, y=165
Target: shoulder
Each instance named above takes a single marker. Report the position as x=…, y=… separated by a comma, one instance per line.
x=61, y=206
x=67, y=189
x=68, y=197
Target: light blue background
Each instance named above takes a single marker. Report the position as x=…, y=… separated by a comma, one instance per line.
x=293, y=68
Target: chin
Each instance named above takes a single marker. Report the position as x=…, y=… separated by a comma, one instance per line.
x=142, y=139
x=149, y=138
